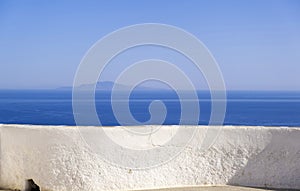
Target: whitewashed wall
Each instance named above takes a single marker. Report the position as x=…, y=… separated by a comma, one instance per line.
x=57, y=159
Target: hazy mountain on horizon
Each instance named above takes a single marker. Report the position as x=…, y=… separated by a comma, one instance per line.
x=108, y=85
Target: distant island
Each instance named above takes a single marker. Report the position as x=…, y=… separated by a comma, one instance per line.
x=108, y=86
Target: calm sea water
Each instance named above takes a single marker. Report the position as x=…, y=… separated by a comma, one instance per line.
x=54, y=107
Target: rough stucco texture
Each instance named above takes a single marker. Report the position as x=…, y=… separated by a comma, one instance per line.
x=56, y=158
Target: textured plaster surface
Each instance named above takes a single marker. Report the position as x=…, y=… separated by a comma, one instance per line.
x=57, y=158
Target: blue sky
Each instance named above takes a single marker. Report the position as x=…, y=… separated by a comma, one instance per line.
x=256, y=43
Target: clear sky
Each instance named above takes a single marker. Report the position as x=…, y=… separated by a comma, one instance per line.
x=256, y=43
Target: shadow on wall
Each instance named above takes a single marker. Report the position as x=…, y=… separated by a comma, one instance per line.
x=276, y=166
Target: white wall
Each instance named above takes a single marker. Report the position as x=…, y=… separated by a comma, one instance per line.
x=57, y=159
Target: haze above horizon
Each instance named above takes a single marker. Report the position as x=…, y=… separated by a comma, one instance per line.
x=255, y=43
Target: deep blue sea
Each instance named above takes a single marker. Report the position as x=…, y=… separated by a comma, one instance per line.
x=54, y=107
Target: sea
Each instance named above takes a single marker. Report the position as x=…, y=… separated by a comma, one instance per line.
x=244, y=108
